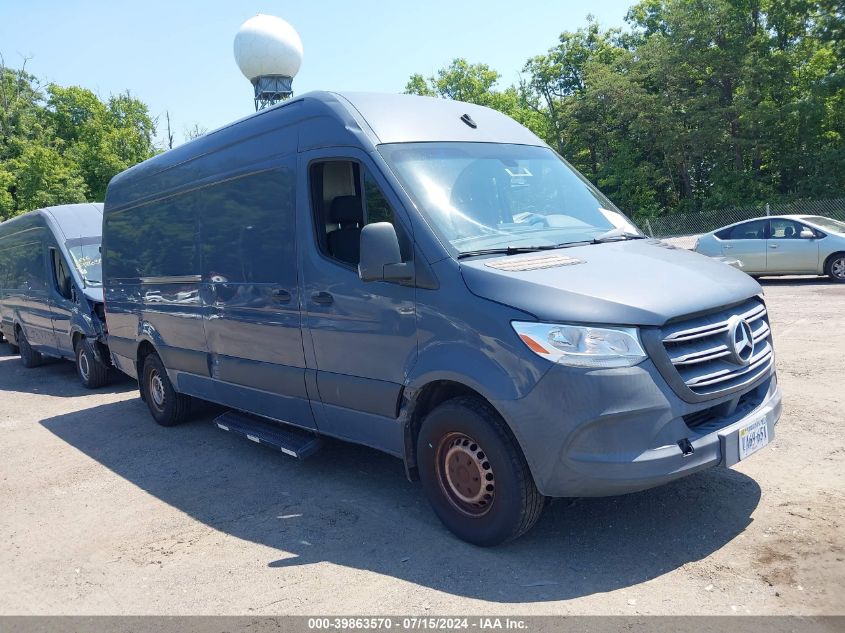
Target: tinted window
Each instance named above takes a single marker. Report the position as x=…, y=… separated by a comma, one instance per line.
x=755, y=230
x=156, y=239
x=22, y=266
x=247, y=228
x=61, y=275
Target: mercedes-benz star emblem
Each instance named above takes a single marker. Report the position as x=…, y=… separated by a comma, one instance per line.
x=741, y=340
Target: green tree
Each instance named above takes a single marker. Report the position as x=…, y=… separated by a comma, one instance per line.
x=63, y=144
x=700, y=104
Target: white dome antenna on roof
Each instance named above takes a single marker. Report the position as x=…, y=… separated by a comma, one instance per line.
x=268, y=51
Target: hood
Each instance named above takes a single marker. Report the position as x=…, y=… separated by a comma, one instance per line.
x=634, y=282
x=93, y=294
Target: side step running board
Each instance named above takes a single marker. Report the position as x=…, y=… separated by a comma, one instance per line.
x=290, y=440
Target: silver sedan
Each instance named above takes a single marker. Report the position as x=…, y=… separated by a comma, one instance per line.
x=781, y=245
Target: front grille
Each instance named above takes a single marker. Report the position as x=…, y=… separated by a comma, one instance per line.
x=701, y=349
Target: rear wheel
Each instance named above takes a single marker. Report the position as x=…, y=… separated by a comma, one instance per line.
x=836, y=267
x=167, y=406
x=92, y=373
x=29, y=357
x=474, y=474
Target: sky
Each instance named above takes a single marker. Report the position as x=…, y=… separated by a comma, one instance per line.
x=176, y=55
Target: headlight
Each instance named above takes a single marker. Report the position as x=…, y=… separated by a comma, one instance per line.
x=581, y=345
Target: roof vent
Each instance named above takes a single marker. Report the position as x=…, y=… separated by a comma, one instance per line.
x=468, y=120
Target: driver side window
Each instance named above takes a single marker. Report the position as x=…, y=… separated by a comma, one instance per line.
x=61, y=275
x=345, y=197
x=785, y=230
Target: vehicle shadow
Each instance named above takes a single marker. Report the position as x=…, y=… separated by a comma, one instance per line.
x=797, y=281
x=352, y=506
x=55, y=377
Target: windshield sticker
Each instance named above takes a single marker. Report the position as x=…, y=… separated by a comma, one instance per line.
x=533, y=263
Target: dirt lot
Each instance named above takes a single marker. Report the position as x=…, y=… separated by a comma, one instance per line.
x=102, y=511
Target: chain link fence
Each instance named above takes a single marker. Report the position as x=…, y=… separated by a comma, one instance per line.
x=682, y=229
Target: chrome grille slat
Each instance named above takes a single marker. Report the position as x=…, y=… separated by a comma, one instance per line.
x=727, y=374
x=702, y=356
x=712, y=328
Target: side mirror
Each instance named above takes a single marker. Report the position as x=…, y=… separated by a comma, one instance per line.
x=807, y=234
x=381, y=258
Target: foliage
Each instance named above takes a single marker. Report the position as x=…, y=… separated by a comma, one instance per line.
x=699, y=104
x=60, y=145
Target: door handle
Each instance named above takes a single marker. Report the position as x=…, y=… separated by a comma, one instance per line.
x=727, y=247
x=280, y=295
x=322, y=297
x=773, y=245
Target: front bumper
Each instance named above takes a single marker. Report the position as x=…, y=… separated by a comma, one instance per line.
x=607, y=432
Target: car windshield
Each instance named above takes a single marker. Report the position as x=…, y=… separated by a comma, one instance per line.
x=87, y=259
x=826, y=223
x=490, y=196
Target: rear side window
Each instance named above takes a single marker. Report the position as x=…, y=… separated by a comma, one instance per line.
x=247, y=228
x=22, y=266
x=157, y=239
x=755, y=230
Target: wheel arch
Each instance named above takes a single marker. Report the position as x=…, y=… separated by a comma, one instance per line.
x=144, y=349
x=829, y=260
x=417, y=403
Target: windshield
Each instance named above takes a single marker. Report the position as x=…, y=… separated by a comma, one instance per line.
x=826, y=223
x=87, y=259
x=480, y=196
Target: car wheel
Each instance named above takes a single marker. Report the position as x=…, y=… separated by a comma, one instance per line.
x=167, y=406
x=836, y=267
x=92, y=373
x=29, y=357
x=474, y=474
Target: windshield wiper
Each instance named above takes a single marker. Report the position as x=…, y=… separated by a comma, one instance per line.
x=510, y=250
x=616, y=234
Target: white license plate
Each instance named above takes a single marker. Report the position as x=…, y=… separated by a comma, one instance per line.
x=753, y=437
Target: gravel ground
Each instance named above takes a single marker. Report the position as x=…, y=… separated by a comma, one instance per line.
x=103, y=512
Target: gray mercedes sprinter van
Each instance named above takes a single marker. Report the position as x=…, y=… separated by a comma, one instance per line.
x=428, y=278
x=51, y=296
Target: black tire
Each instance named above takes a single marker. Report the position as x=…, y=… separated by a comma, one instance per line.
x=167, y=406
x=489, y=499
x=835, y=267
x=92, y=373
x=29, y=357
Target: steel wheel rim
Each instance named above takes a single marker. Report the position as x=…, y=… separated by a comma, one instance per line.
x=837, y=268
x=83, y=365
x=157, y=389
x=465, y=474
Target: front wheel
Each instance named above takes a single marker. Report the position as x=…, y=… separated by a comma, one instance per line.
x=167, y=406
x=836, y=268
x=92, y=373
x=29, y=357
x=474, y=475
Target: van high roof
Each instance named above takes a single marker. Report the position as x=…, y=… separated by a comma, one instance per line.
x=333, y=119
